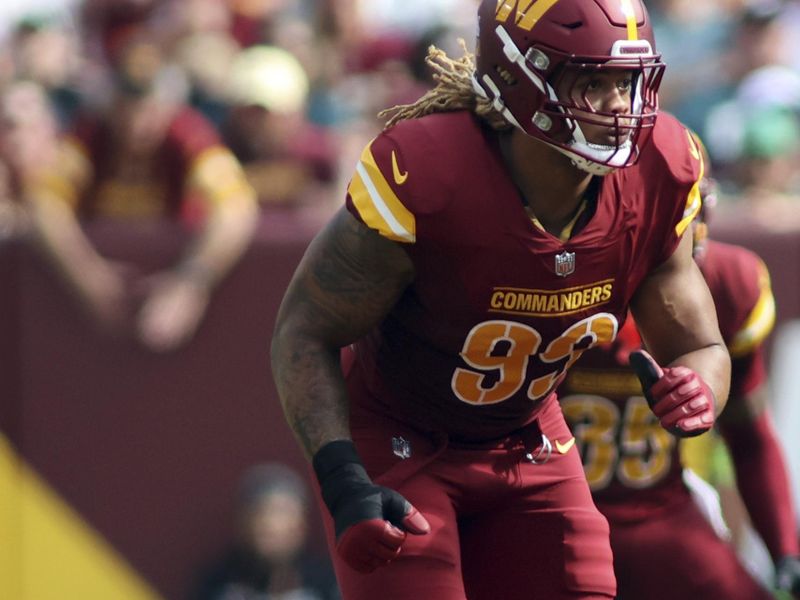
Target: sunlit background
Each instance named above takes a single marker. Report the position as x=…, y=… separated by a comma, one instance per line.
x=122, y=442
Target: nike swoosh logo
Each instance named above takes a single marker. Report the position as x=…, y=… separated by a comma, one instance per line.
x=564, y=448
x=399, y=178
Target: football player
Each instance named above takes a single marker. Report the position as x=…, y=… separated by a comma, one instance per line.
x=634, y=466
x=499, y=227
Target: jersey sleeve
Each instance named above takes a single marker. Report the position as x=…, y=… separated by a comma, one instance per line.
x=376, y=195
x=400, y=181
x=746, y=347
x=740, y=284
x=680, y=186
x=761, y=318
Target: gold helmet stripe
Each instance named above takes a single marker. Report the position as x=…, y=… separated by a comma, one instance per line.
x=630, y=17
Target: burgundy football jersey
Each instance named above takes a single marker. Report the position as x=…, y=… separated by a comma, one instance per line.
x=632, y=464
x=500, y=309
x=161, y=189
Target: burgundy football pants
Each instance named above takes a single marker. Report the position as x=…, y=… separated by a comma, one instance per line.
x=678, y=555
x=502, y=528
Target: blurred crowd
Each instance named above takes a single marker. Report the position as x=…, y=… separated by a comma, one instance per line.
x=204, y=111
x=284, y=83
x=197, y=112
x=292, y=87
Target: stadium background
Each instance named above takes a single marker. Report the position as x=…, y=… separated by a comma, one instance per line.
x=118, y=466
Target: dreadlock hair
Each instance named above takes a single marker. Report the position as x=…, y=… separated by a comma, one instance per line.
x=453, y=91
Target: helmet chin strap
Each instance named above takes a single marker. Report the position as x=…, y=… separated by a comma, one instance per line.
x=601, y=159
x=584, y=164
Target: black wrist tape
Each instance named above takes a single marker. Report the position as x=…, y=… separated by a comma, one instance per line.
x=343, y=481
x=332, y=457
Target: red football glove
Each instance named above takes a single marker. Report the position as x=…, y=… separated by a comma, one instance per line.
x=371, y=521
x=678, y=396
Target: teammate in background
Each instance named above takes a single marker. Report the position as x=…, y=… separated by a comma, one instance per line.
x=499, y=226
x=634, y=466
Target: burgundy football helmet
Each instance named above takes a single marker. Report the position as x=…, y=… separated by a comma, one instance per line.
x=532, y=56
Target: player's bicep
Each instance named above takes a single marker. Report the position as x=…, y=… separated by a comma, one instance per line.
x=348, y=280
x=674, y=309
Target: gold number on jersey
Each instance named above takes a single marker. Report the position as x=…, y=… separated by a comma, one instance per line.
x=594, y=421
x=645, y=446
x=644, y=454
x=509, y=364
x=597, y=329
x=499, y=352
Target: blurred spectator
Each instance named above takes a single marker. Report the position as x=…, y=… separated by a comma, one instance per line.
x=206, y=58
x=251, y=19
x=769, y=159
x=693, y=38
x=146, y=156
x=763, y=152
x=28, y=142
x=754, y=140
x=269, y=559
x=762, y=38
x=46, y=53
x=287, y=159
x=202, y=16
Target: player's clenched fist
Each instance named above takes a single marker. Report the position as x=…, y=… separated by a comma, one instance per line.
x=371, y=521
x=678, y=396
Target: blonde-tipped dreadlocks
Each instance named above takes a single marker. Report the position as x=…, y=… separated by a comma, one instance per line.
x=453, y=91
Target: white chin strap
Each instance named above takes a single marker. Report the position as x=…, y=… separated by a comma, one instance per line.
x=604, y=159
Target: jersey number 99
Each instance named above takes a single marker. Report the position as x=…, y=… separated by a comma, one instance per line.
x=499, y=352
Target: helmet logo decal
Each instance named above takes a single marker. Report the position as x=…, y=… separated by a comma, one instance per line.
x=528, y=11
x=630, y=17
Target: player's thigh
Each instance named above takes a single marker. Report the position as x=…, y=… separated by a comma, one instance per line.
x=679, y=556
x=553, y=545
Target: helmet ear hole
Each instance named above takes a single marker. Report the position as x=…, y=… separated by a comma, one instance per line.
x=507, y=77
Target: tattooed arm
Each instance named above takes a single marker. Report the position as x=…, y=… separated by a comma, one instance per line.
x=348, y=280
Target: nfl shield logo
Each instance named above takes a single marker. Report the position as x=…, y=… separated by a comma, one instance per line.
x=565, y=263
x=401, y=447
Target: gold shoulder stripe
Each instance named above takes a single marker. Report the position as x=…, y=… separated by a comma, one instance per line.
x=694, y=199
x=378, y=205
x=759, y=323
